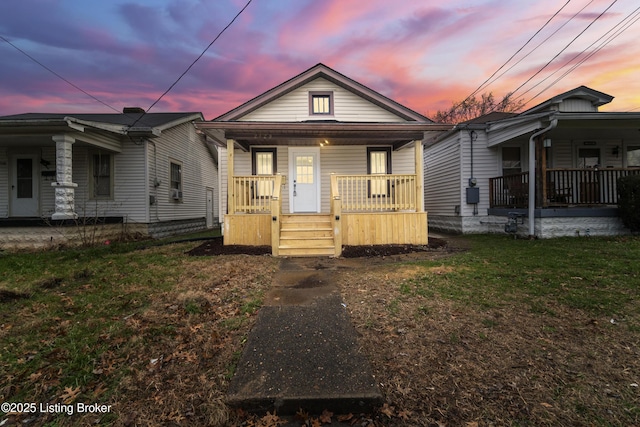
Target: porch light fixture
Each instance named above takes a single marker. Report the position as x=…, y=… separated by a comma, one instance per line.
x=546, y=143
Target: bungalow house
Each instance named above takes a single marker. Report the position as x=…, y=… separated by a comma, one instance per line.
x=550, y=171
x=60, y=174
x=318, y=162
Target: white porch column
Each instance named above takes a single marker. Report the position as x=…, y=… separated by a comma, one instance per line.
x=64, y=187
x=231, y=194
x=419, y=168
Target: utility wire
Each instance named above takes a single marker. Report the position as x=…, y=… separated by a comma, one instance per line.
x=543, y=41
x=484, y=84
x=565, y=48
x=58, y=75
x=631, y=19
x=194, y=62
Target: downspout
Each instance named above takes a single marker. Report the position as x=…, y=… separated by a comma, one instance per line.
x=532, y=174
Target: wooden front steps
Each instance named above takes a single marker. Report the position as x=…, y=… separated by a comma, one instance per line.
x=306, y=235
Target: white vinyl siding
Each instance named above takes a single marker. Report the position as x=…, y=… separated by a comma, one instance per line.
x=128, y=199
x=577, y=105
x=294, y=106
x=180, y=145
x=4, y=184
x=442, y=177
x=485, y=166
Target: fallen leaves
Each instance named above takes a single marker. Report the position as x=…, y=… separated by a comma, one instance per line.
x=70, y=394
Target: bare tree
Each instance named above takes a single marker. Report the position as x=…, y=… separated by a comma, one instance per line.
x=473, y=107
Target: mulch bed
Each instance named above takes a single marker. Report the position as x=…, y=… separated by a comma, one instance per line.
x=215, y=246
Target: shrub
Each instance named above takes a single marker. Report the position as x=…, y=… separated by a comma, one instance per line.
x=629, y=201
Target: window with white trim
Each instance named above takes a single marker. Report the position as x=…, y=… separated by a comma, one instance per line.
x=511, y=161
x=101, y=176
x=175, y=181
x=633, y=156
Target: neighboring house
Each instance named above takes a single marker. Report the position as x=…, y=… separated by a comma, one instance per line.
x=62, y=172
x=318, y=162
x=573, y=152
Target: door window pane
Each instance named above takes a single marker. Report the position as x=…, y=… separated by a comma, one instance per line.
x=24, y=178
x=588, y=157
x=304, y=169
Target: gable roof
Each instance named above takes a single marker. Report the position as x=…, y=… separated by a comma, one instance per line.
x=148, y=125
x=583, y=92
x=322, y=71
x=490, y=117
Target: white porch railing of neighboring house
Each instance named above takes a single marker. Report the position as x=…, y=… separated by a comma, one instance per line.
x=375, y=193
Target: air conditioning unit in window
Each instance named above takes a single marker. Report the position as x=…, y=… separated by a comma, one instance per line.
x=176, y=194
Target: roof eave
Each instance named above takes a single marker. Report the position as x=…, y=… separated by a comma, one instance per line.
x=322, y=71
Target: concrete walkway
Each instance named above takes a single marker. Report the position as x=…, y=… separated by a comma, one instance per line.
x=303, y=351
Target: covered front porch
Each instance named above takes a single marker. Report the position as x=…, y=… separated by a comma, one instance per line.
x=324, y=185
x=560, y=188
x=564, y=165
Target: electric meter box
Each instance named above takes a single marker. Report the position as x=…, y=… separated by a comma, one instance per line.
x=473, y=195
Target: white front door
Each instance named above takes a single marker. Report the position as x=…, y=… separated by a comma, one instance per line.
x=24, y=186
x=304, y=188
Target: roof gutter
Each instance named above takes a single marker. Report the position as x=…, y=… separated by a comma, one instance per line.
x=532, y=174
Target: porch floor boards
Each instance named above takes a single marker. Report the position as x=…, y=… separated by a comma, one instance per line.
x=306, y=235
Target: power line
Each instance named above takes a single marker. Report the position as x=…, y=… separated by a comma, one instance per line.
x=544, y=41
x=58, y=75
x=484, y=84
x=631, y=19
x=565, y=48
x=194, y=61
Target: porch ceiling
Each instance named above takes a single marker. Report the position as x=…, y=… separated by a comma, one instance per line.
x=315, y=133
x=575, y=127
x=34, y=135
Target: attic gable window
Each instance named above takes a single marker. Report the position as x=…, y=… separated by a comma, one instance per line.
x=321, y=103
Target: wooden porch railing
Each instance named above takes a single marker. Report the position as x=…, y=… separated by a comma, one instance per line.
x=563, y=187
x=252, y=194
x=276, y=212
x=584, y=186
x=375, y=193
x=510, y=191
x=336, y=212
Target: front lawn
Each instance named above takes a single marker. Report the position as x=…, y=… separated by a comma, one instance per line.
x=508, y=332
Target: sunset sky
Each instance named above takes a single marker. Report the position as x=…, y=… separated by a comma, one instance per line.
x=424, y=54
